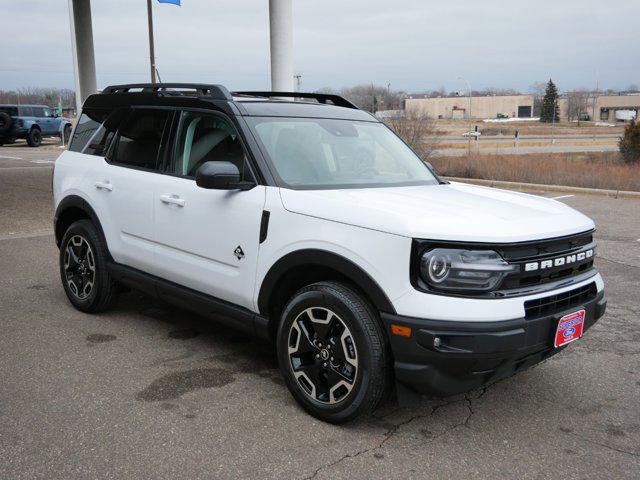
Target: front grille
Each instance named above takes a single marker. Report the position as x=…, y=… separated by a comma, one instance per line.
x=559, y=302
x=521, y=254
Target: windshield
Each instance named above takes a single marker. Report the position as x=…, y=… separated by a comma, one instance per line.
x=312, y=153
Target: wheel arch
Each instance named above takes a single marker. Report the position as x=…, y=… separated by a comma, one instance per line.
x=303, y=267
x=71, y=209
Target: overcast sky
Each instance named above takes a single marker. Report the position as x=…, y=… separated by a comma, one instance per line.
x=415, y=45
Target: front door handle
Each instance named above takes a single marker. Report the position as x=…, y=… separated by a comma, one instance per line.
x=104, y=186
x=174, y=199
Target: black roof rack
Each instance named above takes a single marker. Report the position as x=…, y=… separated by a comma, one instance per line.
x=325, y=98
x=217, y=92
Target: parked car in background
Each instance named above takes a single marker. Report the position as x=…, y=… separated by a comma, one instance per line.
x=471, y=134
x=32, y=123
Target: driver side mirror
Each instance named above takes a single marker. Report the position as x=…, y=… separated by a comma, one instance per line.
x=221, y=176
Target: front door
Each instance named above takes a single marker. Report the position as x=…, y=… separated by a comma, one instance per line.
x=207, y=240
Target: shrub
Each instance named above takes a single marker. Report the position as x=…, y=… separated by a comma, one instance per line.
x=630, y=143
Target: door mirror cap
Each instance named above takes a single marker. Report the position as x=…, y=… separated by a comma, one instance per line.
x=221, y=176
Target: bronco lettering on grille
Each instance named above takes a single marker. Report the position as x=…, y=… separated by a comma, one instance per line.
x=559, y=261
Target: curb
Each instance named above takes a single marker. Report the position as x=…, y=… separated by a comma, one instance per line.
x=547, y=188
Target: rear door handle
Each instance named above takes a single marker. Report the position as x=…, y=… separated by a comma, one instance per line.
x=104, y=186
x=174, y=199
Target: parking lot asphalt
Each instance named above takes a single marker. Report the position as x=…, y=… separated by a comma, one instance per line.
x=150, y=391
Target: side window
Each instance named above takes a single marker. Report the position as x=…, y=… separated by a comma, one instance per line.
x=203, y=137
x=88, y=123
x=38, y=111
x=26, y=111
x=139, y=137
x=46, y=112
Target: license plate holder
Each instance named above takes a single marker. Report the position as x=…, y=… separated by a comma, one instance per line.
x=570, y=328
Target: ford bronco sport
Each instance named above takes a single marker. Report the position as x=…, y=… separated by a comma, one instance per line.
x=304, y=220
x=32, y=123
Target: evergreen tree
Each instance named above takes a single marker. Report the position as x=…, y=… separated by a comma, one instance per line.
x=550, y=107
x=630, y=143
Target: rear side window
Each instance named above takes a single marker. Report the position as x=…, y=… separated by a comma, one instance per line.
x=11, y=111
x=139, y=138
x=88, y=124
x=38, y=111
x=26, y=111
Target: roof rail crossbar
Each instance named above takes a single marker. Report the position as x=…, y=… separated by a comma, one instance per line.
x=325, y=98
x=217, y=92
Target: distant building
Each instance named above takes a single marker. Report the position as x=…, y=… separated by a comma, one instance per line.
x=481, y=107
x=604, y=108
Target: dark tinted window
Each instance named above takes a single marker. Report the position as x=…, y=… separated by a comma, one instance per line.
x=88, y=124
x=38, y=111
x=26, y=111
x=139, y=137
x=12, y=111
x=203, y=137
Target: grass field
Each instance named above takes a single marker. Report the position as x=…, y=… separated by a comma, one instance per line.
x=591, y=170
x=458, y=127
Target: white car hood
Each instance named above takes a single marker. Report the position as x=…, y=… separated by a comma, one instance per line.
x=455, y=211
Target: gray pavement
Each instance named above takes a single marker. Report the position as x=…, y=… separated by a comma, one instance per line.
x=149, y=391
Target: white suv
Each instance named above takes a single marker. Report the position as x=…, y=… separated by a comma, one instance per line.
x=306, y=221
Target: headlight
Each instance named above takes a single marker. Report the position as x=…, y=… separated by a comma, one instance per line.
x=456, y=269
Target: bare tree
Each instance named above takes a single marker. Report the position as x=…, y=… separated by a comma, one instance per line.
x=537, y=89
x=577, y=103
x=418, y=131
x=37, y=95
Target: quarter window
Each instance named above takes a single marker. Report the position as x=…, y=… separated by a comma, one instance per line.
x=88, y=123
x=139, y=138
x=203, y=137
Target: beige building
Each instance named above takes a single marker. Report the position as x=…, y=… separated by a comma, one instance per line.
x=606, y=108
x=476, y=107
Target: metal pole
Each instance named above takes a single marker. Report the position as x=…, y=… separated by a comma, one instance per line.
x=281, y=35
x=152, y=56
x=84, y=66
x=553, y=122
x=470, y=94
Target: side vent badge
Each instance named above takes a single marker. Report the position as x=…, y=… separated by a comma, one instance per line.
x=238, y=252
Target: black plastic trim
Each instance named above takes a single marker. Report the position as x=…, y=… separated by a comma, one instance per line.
x=217, y=92
x=206, y=305
x=323, y=98
x=322, y=258
x=472, y=354
x=75, y=201
x=264, y=225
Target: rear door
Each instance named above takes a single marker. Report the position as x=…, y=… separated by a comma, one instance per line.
x=206, y=239
x=127, y=181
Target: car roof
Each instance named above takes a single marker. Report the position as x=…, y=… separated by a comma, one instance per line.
x=23, y=105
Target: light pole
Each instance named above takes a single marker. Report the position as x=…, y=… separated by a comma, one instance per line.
x=470, y=122
x=152, y=55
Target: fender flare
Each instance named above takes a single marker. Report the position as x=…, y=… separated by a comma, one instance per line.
x=324, y=258
x=75, y=201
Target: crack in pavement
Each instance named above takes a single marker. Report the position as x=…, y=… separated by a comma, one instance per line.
x=604, y=445
x=617, y=262
x=395, y=427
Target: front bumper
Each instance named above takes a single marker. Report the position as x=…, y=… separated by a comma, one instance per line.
x=474, y=354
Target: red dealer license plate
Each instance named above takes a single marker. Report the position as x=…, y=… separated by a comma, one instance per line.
x=569, y=328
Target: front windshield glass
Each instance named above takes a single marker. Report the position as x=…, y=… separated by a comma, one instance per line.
x=312, y=153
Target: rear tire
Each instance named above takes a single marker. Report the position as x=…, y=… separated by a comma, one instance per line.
x=83, y=268
x=66, y=134
x=333, y=352
x=34, y=138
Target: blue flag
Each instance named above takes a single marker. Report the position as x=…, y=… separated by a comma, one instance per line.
x=174, y=2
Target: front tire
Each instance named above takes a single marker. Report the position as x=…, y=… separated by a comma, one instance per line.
x=333, y=353
x=34, y=138
x=83, y=268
